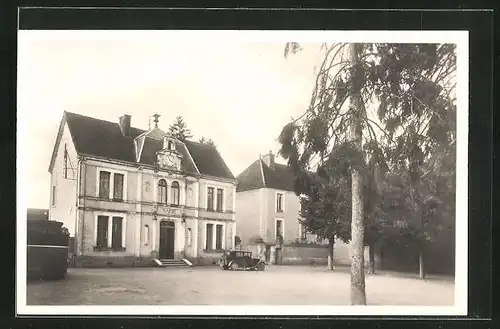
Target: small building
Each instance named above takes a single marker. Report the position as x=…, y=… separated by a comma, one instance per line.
x=130, y=196
x=268, y=216
x=37, y=214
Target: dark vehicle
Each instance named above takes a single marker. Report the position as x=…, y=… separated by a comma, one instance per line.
x=47, y=249
x=236, y=260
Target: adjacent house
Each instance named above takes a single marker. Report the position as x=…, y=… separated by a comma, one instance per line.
x=130, y=196
x=268, y=216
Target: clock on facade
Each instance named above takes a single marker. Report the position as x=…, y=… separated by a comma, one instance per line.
x=170, y=160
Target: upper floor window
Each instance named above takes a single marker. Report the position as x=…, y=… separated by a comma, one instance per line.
x=220, y=198
x=116, y=186
x=162, y=191
x=279, y=202
x=175, y=193
x=210, y=198
x=104, y=184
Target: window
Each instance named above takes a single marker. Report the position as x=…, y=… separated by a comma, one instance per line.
x=162, y=191
x=112, y=185
x=210, y=230
x=189, y=237
x=210, y=198
x=146, y=234
x=220, y=199
x=65, y=160
x=118, y=187
x=218, y=237
x=116, y=235
x=279, y=227
x=53, y=195
x=175, y=193
x=279, y=202
x=104, y=184
x=102, y=232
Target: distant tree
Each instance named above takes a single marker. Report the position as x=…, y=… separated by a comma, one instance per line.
x=179, y=129
x=325, y=210
x=208, y=141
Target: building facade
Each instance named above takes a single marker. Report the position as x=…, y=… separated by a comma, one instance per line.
x=269, y=212
x=130, y=196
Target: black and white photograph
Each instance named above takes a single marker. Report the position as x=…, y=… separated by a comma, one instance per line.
x=242, y=172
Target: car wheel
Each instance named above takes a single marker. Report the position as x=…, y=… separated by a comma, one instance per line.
x=261, y=266
x=234, y=266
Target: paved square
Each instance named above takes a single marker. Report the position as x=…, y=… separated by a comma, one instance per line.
x=278, y=285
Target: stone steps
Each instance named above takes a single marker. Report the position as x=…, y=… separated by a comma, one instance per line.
x=172, y=263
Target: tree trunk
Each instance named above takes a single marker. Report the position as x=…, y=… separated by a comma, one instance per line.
x=358, y=294
x=421, y=268
x=331, y=247
x=371, y=262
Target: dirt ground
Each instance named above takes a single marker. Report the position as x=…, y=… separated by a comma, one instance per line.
x=278, y=285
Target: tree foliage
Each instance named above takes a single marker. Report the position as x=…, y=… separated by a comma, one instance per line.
x=408, y=135
x=208, y=141
x=179, y=129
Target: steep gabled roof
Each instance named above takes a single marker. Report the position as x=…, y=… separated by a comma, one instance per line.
x=279, y=178
x=259, y=175
x=102, y=138
x=251, y=178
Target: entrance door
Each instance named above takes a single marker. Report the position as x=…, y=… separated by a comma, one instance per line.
x=167, y=234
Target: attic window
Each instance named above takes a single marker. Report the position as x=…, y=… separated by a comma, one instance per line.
x=168, y=144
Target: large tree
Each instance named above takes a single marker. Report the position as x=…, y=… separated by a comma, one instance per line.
x=413, y=87
x=179, y=129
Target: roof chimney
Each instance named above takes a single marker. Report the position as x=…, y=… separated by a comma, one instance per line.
x=125, y=125
x=269, y=160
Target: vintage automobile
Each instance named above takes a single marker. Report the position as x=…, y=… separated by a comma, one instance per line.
x=240, y=260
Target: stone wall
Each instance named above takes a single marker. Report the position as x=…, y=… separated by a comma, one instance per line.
x=116, y=262
x=304, y=254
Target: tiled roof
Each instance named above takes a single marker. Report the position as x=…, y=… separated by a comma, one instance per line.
x=279, y=178
x=259, y=175
x=101, y=138
x=250, y=178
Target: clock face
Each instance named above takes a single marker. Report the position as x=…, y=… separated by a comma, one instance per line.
x=170, y=160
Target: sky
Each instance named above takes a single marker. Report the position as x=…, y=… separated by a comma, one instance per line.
x=235, y=87
x=238, y=92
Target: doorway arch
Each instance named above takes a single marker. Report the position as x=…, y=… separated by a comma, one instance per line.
x=167, y=240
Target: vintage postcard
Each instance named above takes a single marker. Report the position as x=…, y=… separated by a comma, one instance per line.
x=242, y=172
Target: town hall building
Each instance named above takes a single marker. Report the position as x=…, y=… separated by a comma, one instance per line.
x=131, y=197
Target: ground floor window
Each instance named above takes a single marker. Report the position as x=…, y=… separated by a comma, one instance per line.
x=102, y=232
x=218, y=237
x=214, y=236
x=146, y=234
x=110, y=232
x=189, y=237
x=209, y=244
